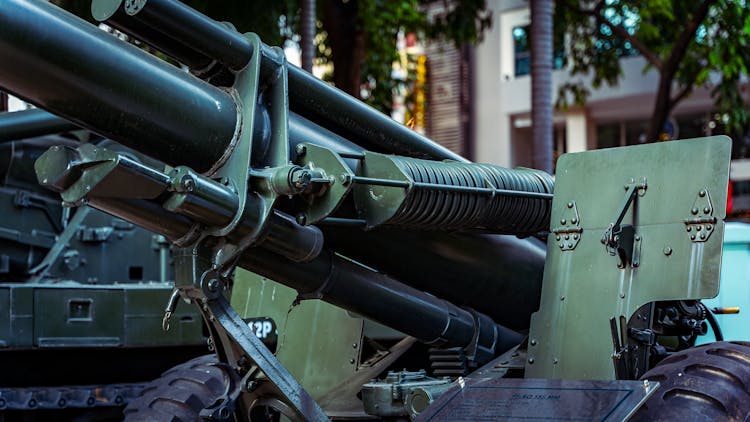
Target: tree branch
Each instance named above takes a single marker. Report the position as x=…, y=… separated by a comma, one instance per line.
x=686, y=36
x=684, y=92
x=621, y=32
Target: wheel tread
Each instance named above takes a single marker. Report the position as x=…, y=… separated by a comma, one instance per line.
x=710, y=382
x=181, y=392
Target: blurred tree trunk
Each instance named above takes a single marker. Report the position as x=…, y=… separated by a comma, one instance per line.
x=541, y=84
x=307, y=26
x=347, y=42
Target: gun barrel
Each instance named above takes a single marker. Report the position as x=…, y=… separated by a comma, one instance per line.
x=379, y=297
x=173, y=26
x=95, y=80
x=178, y=30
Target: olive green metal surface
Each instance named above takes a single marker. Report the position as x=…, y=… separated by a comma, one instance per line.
x=583, y=287
x=317, y=342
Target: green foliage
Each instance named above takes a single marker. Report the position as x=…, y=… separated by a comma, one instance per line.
x=463, y=21
x=460, y=22
x=272, y=21
x=691, y=43
x=381, y=22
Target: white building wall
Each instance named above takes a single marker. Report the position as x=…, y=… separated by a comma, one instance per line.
x=491, y=123
x=503, y=101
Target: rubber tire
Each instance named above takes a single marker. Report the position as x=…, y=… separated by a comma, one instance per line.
x=181, y=392
x=705, y=383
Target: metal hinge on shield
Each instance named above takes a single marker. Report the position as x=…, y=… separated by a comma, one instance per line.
x=702, y=223
x=569, y=233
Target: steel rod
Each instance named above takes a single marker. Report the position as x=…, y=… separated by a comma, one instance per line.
x=30, y=123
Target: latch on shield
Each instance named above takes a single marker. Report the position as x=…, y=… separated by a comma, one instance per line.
x=701, y=224
x=619, y=239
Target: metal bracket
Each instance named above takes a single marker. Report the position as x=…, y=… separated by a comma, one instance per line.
x=569, y=233
x=701, y=224
x=235, y=342
x=322, y=203
x=622, y=240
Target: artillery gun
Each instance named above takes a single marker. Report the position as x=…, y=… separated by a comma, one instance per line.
x=271, y=170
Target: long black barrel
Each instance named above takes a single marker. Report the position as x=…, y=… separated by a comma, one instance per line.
x=173, y=22
x=377, y=296
x=63, y=64
x=207, y=40
x=30, y=123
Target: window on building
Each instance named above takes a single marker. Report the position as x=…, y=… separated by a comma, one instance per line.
x=522, y=51
x=608, y=135
x=632, y=132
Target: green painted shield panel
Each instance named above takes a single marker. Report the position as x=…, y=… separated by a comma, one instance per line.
x=317, y=342
x=584, y=288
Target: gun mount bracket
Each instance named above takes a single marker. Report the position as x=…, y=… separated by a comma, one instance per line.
x=702, y=221
x=569, y=233
x=324, y=200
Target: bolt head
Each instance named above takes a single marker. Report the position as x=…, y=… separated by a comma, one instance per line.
x=188, y=184
x=301, y=149
x=213, y=284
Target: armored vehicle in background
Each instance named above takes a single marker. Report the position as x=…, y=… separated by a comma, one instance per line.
x=82, y=294
x=265, y=168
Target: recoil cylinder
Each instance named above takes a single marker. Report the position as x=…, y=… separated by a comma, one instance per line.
x=423, y=194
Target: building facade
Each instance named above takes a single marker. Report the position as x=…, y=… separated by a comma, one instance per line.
x=612, y=116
